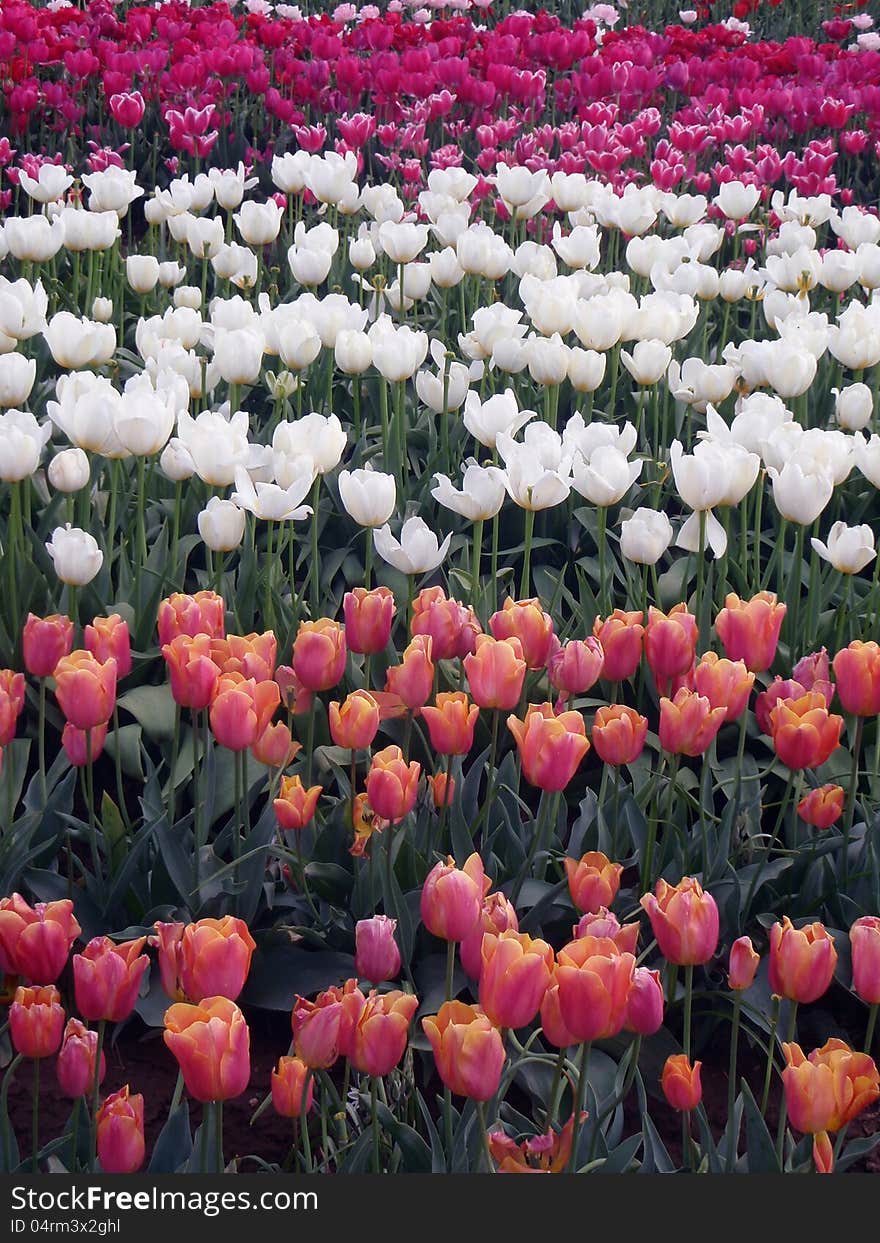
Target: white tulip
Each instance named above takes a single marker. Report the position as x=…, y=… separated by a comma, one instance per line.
x=368, y=496
x=800, y=495
x=32, y=238
x=648, y=361
x=189, y=296
x=170, y=274
x=17, y=376
x=416, y=552
x=586, y=438
x=102, y=310
x=853, y=405
x=361, y=251
x=69, y=470
x=216, y=445
x=298, y=343
x=580, y=249
x=486, y=420
x=270, y=502
x=645, y=536
x=75, y=555
x=112, y=189
x=480, y=497
x=176, y=462
x=737, y=200
x=79, y=343
x=529, y=483
x=849, y=549
x=481, y=251
x=230, y=185
x=308, y=266
x=330, y=177
x=238, y=354
x=259, y=223
x=221, y=525
x=144, y=421
x=22, y=440
x=87, y=230
x=446, y=271
x=403, y=242
x=22, y=309
x=204, y=236
x=547, y=359
x=700, y=384
x=321, y=438
x=605, y=477
x=50, y=184
x=586, y=369
x=85, y=412
x=353, y=352
x=397, y=352
x=289, y=172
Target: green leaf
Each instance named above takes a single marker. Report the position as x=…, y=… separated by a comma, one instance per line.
x=760, y=1148
x=174, y=1144
x=152, y=707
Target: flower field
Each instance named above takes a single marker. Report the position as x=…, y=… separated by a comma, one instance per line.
x=438, y=502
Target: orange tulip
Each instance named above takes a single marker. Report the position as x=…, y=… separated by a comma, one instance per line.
x=515, y=974
x=241, y=710
x=442, y=789
x=212, y=1045
x=322, y=1028
x=619, y=734
x=525, y=620
x=468, y=1050
x=496, y=915
x=85, y=689
x=749, y=629
x=288, y=1085
x=251, y=655
x=603, y=923
x=688, y=723
x=828, y=1089
x=864, y=939
x=208, y=958
x=622, y=636
x=575, y=666
x=594, y=980
x=319, y=654
x=802, y=961
x=453, y=627
x=107, y=978
x=684, y=919
x=296, y=803
x=44, y=640
x=593, y=881
x=680, y=1082
x=550, y=747
x=725, y=683
x=107, y=638
x=451, y=722
x=377, y=1039
x=857, y=669
x=36, y=1021
x=35, y=941
x=120, y=1138
x=202, y=613
x=452, y=897
x=804, y=732
x=412, y=680
x=194, y=675
x=743, y=964
x=495, y=672
x=670, y=642
x=823, y=806
x=275, y=747
x=355, y=722
x=368, y=618
x=392, y=784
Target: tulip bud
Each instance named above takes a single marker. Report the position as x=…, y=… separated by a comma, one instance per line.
x=288, y=1084
x=36, y=1021
x=44, y=641
x=412, y=680
x=743, y=964
x=120, y=1126
x=442, y=789
x=75, y=1067
x=75, y=555
x=452, y=898
x=684, y=919
x=468, y=1050
x=211, y=1043
x=69, y=470
x=864, y=937
x=377, y=957
x=681, y=1083
x=644, y=1007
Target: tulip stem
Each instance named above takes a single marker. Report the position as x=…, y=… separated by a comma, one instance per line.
x=783, y=1108
x=869, y=1030
x=377, y=1164
x=4, y=1112
x=771, y=1049
x=90, y=798
x=41, y=741
x=368, y=557
x=858, y=734
x=493, y=573
x=217, y=1107
x=450, y=969
x=559, y=1081
x=475, y=564
x=96, y=1093
x=316, y=552
x=74, y=1134
x=527, y=553
x=580, y=1097
x=447, y=1127
x=35, y=1118
x=602, y=545
x=731, y=1081
x=769, y=847
x=484, y=1137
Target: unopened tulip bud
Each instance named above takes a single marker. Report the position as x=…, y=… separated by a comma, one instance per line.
x=681, y=1083
x=377, y=957
x=75, y=1066
x=120, y=1126
x=743, y=964
x=644, y=1007
x=44, y=640
x=288, y=1085
x=36, y=1021
x=864, y=938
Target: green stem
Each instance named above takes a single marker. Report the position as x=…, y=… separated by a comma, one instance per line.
x=771, y=1050
x=783, y=1107
x=96, y=1093
x=851, y=797
x=35, y=1118
x=484, y=1137
x=580, y=1097
x=374, y=1084
x=731, y=1079
x=450, y=969
x=316, y=553
x=527, y=553
x=869, y=1030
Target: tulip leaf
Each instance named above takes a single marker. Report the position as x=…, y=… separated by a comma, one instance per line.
x=174, y=1144
x=153, y=709
x=760, y=1146
x=415, y=1152
x=279, y=972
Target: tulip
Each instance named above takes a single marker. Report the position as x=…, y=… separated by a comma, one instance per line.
x=823, y=806
x=208, y=958
x=552, y=1023
x=35, y=941
x=644, y=1007
x=645, y=536
x=594, y=980
x=288, y=1085
x=275, y=747
x=296, y=803
x=688, y=723
x=802, y=961
x=368, y=618
x=593, y=881
x=864, y=937
x=813, y=672
x=75, y=555
x=319, y=654
x=411, y=681
x=442, y=789
x=742, y=965
x=468, y=1050
x=618, y=734
x=120, y=1132
x=211, y=1043
x=418, y=550
x=377, y=957
x=83, y=746
x=670, y=642
x=804, y=732
x=482, y=492
x=525, y=620
x=378, y=1037
x=36, y=1021
x=496, y=915
x=451, y=722
x=603, y=923
x=392, y=784
x=574, y=667
x=11, y=703
x=355, y=722
x=453, y=628
x=551, y=747
x=322, y=1028
x=684, y=919
x=368, y=496
x=85, y=689
x=44, y=641
x=202, y=613
x=680, y=1082
x=549, y=1153
x=828, y=1089
x=75, y=1067
x=857, y=669
x=107, y=978
x=849, y=549
x=107, y=638
x=221, y=525
x=749, y=629
x=515, y=973
x=452, y=897
x=69, y=470
x=241, y=710
x=621, y=635
x=725, y=683
x=495, y=672
x=194, y=675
